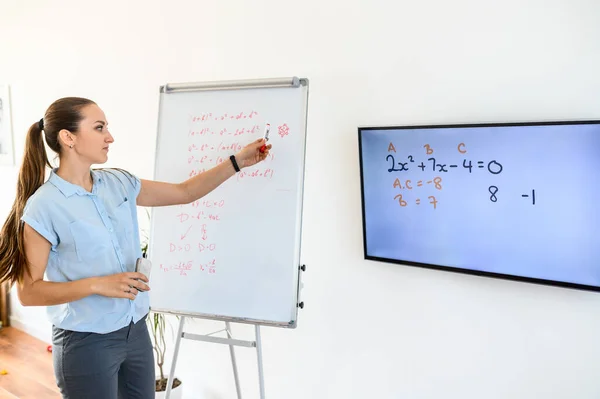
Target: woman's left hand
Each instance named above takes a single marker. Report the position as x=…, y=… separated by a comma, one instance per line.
x=251, y=155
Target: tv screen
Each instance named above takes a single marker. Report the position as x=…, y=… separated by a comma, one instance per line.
x=516, y=201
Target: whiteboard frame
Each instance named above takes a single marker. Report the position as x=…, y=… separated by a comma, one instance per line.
x=267, y=83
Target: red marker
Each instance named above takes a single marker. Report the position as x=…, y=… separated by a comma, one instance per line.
x=266, y=137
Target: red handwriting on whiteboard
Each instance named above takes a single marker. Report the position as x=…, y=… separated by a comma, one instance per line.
x=198, y=160
x=239, y=132
x=230, y=147
x=201, y=117
x=208, y=116
x=202, y=147
x=182, y=267
x=209, y=265
x=220, y=147
x=207, y=160
x=255, y=173
x=201, y=215
x=224, y=132
x=208, y=203
x=186, y=233
x=179, y=248
x=204, y=159
x=206, y=247
x=254, y=129
x=200, y=132
x=284, y=130
x=204, y=236
x=187, y=247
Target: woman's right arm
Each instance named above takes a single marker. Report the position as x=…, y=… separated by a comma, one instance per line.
x=34, y=291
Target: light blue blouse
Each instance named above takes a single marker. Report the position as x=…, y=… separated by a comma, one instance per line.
x=92, y=234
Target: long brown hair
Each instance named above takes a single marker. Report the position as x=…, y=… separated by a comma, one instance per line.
x=64, y=113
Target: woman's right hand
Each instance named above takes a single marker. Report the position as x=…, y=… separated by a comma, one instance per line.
x=120, y=285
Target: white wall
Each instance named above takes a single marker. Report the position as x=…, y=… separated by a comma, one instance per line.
x=369, y=329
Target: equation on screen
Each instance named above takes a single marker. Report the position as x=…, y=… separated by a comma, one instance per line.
x=429, y=163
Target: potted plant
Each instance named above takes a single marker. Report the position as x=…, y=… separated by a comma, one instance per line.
x=157, y=324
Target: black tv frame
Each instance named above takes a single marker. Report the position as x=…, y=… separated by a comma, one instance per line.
x=452, y=269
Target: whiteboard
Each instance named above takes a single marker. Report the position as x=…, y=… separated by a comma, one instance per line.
x=234, y=254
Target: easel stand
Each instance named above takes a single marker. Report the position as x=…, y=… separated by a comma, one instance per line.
x=219, y=340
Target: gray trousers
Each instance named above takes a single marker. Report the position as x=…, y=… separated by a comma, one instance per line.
x=118, y=365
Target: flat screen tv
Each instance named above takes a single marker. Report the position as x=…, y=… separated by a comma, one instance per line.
x=509, y=200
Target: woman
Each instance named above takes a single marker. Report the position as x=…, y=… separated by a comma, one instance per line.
x=80, y=228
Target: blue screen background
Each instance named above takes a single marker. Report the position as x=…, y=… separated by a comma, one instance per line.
x=555, y=239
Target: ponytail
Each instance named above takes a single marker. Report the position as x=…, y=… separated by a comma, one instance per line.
x=64, y=113
x=13, y=262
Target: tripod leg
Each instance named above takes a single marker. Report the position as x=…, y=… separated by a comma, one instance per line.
x=260, y=365
x=175, y=353
x=233, y=362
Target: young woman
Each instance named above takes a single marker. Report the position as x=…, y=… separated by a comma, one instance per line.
x=80, y=229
